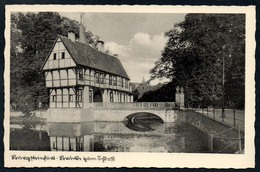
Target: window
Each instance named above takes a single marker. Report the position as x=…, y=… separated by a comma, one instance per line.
x=59, y=95
x=54, y=98
x=111, y=97
x=63, y=55
x=71, y=98
x=115, y=80
x=54, y=56
x=126, y=83
x=80, y=72
x=90, y=96
x=110, y=80
x=101, y=78
x=79, y=95
x=122, y=82
x=120, y=97
x=97, y=78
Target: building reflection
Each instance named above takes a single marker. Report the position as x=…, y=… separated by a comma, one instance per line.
x=71, y=137
x=116, y=137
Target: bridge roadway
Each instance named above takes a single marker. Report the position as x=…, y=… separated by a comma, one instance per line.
x=112, y=112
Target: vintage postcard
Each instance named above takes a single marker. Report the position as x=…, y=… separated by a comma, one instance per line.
x=129, y=86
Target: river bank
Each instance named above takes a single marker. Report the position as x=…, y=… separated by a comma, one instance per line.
x=17, y=117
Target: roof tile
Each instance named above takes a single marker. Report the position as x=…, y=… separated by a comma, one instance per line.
x=87, y=56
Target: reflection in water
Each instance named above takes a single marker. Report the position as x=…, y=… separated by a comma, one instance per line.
x=27, y=135
x=142, y=121
x=23, y=137
x=111, y=137
x=170, y=137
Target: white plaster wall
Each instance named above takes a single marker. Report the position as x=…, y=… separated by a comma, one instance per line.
x=69, y=115
x=85, y=115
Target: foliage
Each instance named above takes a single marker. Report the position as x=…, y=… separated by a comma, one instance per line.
x=193, y=57
x=164, y=93
x=135, y=94
x=32, y=35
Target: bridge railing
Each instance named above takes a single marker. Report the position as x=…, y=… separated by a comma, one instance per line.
x=134, y=105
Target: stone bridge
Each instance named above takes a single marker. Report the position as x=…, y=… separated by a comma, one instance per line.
x=112, y=112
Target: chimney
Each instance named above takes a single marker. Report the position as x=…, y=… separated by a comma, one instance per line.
x=71, y=36
x=82, y=37
x=100, y=46
x=115, y=55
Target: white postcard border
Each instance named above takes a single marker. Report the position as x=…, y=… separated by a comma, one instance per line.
x=190, y=160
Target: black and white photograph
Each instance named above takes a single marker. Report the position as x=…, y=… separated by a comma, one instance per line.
x=101, y=84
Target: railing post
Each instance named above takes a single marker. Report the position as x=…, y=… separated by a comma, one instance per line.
x=207, y=111
x=239, y=143
x=40, y=135
x=213, y=113
x=211, y=142
x=234, y=113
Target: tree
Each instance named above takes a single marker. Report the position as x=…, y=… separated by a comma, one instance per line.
x=192, y=58
x=135, y=94
x=32, y=36
x=164, y=93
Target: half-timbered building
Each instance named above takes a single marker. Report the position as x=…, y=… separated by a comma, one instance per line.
x=77, y=74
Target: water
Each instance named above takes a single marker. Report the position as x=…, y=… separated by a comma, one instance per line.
x=28, y=138
x=132, y=135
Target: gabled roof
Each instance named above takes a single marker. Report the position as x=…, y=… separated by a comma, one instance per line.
x=87, y=56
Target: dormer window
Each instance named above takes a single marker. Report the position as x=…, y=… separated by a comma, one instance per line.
x=63, y=55
x=54, y=56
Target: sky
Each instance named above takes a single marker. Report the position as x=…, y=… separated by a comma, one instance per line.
x=137, y=38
